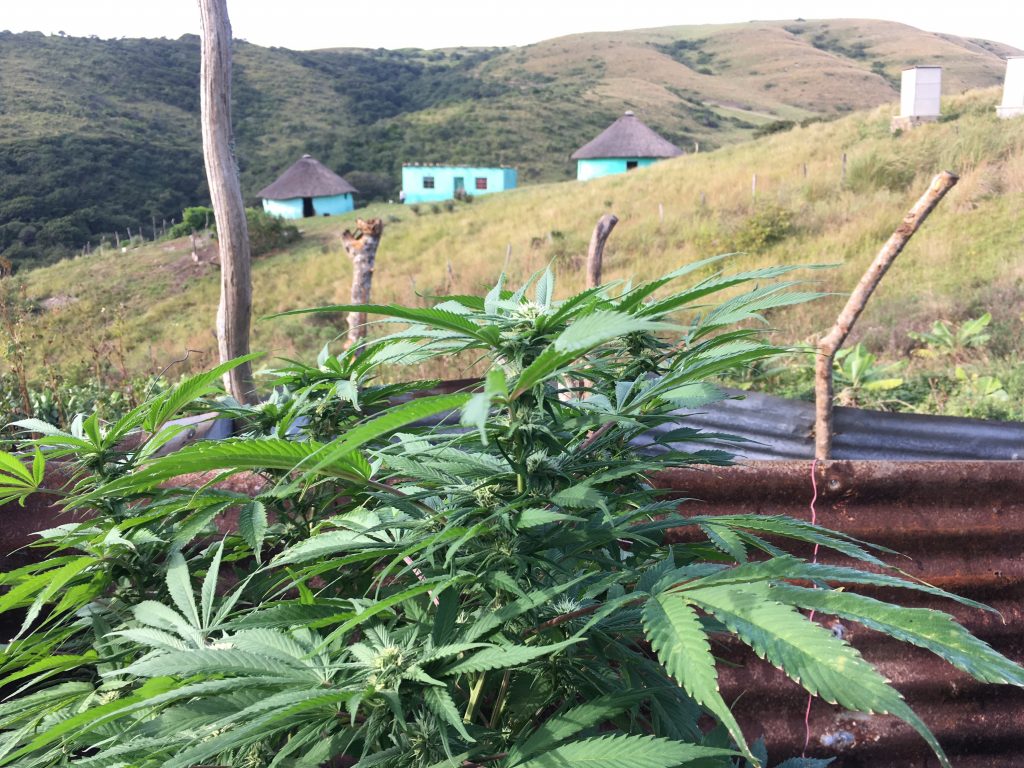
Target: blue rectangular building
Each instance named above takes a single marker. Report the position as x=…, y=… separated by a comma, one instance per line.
x=431, y=183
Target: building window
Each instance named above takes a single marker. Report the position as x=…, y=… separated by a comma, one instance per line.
x=481, y=182
x=630, y=165
x=428, y=182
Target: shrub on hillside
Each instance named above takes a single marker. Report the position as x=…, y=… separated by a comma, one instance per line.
x=195, y=219
x=268, y=233
x=768, y=224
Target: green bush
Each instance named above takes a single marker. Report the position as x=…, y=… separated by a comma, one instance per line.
x=767, y=225
x=268, y=233
x=195, y=219
x=410, y=594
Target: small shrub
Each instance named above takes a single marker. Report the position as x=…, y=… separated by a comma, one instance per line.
x=268, y=233
x=195, y=219
x=769, y=224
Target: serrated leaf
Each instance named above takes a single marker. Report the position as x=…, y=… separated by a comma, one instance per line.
x=807, y=653
x=505, y=657
x=534, y=516
x=227, y=661
x=179, y=586
x=676, y=635
x=252, y=525
x=209, y=590
x=623, y=752
x=930, y=629
x=385, y=423
x=582, y=336
x=440, y=702
x=560, y=727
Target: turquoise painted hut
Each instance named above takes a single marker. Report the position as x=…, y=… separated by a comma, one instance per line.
x=431, y=183
x=622, y=146
x=308, y=188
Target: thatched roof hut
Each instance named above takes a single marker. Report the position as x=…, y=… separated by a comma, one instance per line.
x=307, y=188
x=627, y=137
x=307, y=178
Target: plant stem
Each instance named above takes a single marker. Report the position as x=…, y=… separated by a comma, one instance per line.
x=474, y=695
x=499, y=704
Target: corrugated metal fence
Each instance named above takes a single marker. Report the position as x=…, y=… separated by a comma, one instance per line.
x=960, y=526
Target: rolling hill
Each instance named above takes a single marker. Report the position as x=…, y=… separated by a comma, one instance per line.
x=102, y=135
x=114, y=313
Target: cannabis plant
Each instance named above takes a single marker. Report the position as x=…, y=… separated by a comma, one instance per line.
x=470, y=579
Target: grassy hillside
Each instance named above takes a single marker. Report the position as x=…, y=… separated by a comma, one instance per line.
x=143, y=309
x=98, y=135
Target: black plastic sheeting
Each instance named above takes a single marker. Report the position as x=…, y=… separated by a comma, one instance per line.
x=776, y=428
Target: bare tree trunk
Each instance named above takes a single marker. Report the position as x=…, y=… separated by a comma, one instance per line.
x=595, y=254
x=226, y=194
x=833, y=340
x=361, y=248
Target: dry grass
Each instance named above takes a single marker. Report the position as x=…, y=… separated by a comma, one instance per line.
x=672, y=213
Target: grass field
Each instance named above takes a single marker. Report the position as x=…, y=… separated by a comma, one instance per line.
x=138, y=311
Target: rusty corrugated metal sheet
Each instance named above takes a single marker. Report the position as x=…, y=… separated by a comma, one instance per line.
x=960, y=526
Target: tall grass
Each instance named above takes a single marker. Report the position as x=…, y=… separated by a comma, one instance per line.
x=671, y=213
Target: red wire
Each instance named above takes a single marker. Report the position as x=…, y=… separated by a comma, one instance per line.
x=814, y=559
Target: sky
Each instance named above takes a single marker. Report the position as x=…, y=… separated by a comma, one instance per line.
x=310, y=24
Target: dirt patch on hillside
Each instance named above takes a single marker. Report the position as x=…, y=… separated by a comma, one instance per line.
x=58, y=302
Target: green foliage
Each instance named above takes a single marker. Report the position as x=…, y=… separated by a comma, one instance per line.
x=954, y=340
x=879, y=170
x=198, y=218
x=414, y=595
x=268, y=233
x=767, y=225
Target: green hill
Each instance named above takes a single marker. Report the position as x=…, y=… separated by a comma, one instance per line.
x=113, y=313
x=103, y=135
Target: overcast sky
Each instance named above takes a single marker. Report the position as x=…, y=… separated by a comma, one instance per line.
x=308, y=24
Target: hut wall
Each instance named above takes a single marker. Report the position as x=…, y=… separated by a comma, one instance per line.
x=431, y=183
x=608, y=166
x=284, y=209
x=328, y=206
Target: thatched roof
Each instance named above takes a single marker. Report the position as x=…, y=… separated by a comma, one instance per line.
x=627, y=137
x=307, y=178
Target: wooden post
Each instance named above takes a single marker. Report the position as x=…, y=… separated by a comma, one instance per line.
x=595, y=253
x=842, y=173
x=361, y=248
x=833, y=340
x=235, y=309
x=661, y=213
x=805, y=170
x=753, y=186
x=508, y=257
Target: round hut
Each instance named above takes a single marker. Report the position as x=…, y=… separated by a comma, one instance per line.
x=622, y=146
x=308, y=188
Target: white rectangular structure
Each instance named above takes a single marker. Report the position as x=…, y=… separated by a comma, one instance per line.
x=921, y=92
x=1013, y=88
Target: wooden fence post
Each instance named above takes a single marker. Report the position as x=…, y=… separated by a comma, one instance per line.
x=833, y=340
x=235, y=308
x=595, y=253
x=361, y=248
